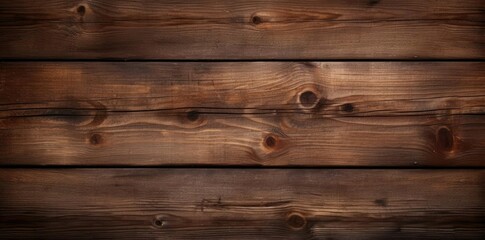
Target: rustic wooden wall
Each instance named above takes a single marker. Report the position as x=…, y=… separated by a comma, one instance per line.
x=242, y=119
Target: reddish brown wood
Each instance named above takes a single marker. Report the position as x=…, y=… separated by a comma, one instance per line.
x=241, y=204
x=242, y=29
x=247, y=113
x=82, y=117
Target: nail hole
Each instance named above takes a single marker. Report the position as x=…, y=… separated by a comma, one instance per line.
x=445, y=138
x=256, y=20
x=296, y=221
x=95, y=139
x=270, y=141
x=308, y=99
x=348, y=107
x=193, y=116
x=81, y=10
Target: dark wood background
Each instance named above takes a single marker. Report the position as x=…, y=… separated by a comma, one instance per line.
x=242, y=119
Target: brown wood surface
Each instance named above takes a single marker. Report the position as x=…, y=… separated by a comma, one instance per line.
x=241, y=204
x=148, y=119
x=243, y=113
x=242, y=29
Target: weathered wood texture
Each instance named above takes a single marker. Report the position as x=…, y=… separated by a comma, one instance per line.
x=242, y=29
x=241, y=204
x=243, y=113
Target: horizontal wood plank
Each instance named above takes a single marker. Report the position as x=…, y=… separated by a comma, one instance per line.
x=241, y=204
x=242, y=29
x=243, y=113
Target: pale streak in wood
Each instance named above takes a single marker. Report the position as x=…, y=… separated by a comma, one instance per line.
x=241, y=204
x=208, y=29
x=137, y=114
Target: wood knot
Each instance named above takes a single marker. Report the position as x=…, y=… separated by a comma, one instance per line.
x=193, y=115
x=308, y=99
x=81, y=10
x=270, y=141
x=96, y=139
x=296, y=221
x=256, y=20
x=373, y=2
x=348, y=107
x=444, y=139
x=158, y=223
x=381, y=202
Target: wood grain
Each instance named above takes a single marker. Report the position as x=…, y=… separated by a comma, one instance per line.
x=242, y=29
x=241, y=204
x=243, y=113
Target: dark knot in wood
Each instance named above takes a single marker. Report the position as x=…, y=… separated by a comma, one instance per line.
x=81, y=10
x=444, y=139
x=270, y=141
x=96, y=139
x=308, y=99
x=373, y=2
x=192, y=115
x=296, y=221
x=159, y=222
x=348, y=107
x=256, y=20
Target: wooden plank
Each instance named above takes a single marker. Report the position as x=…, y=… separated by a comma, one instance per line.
x=243, y=113
x=242, y=29
x=241, y=204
